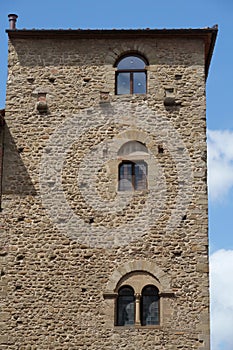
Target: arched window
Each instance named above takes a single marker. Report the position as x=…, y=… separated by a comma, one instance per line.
x=131, y=75
x=139, y=309
x=150, y=306
x=132, y=170
x=145, y=286
x=125, y=306
x=132, y=176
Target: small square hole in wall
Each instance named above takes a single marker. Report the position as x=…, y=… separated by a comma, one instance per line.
x=177, y=253
x=169, y=91
x=91, y=220
x=52, y=79
x=30, y=79
x=178, y=76
x=86, y=79
x=160, y=149
x=20, y=149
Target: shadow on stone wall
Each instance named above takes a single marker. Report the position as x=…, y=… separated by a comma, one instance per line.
x=15, y=179
x=73, y=52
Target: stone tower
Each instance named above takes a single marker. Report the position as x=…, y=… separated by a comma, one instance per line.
x=104, y=193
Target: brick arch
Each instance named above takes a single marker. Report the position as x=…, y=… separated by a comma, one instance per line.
x=131, y=53
x=139, y=265
x=127, y=48
x=134, y=135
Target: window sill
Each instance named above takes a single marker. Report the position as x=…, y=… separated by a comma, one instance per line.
x=145, y=191
x=138, y=327
x=131, y=96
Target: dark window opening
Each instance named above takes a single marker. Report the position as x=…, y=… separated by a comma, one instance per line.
x=125, y=306
x=150, y=306
x=132, y=176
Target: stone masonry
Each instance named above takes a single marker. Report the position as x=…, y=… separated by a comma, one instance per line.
x=70, y=238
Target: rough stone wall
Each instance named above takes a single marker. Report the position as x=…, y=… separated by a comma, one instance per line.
x=69, y=231
x=2, y=114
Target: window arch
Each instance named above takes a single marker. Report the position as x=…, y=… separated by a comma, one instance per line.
x=125, y=306
x=150, y=306
x=131, y=75
x=132, y=147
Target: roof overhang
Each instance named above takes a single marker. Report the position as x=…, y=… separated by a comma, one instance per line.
x=208, y=35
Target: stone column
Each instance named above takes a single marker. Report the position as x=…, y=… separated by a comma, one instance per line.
x=137, y=310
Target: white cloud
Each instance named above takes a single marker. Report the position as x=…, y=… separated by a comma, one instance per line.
x=221, y=278
x=220, y=163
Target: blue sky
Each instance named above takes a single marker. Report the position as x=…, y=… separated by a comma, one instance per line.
x=167, y=14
